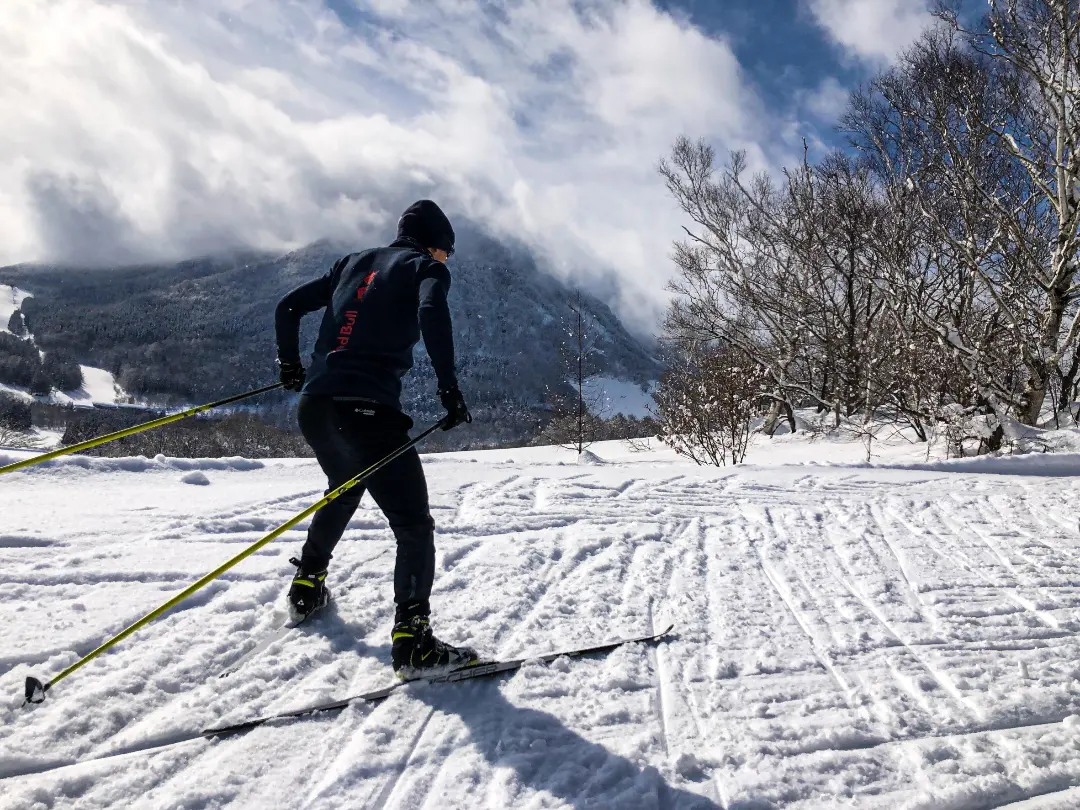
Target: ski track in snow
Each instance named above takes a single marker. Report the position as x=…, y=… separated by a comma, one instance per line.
x=845, y=637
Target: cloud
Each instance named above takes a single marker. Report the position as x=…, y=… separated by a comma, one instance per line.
x=827, y=101
x=872, y=30
x=160, y=129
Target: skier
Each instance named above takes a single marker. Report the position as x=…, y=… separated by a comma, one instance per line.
x=378, y=304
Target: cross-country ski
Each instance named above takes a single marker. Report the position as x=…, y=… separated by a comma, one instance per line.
x=480, y=669
x=383, y=382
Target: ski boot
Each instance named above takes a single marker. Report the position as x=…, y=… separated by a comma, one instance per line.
x=418, y=654
x=307, y=594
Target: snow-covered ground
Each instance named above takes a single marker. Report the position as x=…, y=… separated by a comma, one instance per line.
x=896, y=635
x=99, y=387
x=11, y=299
x=609, y=396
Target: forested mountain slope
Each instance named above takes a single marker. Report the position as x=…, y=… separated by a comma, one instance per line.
x=203, y=328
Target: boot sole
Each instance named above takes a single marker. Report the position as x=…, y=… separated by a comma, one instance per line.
x=423, y=673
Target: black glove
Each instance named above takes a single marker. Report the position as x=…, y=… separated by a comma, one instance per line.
x=291, y=375
x=457, y=411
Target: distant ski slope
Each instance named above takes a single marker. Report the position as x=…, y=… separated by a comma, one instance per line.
x=847, y=636
x=11, y=299
x=99, y=386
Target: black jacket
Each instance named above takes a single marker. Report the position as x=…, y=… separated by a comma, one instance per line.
x=378, y=304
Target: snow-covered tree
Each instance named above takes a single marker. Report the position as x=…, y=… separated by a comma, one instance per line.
x=976, y=130
x=704, y=404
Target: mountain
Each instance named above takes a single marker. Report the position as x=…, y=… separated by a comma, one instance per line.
x=202, y=329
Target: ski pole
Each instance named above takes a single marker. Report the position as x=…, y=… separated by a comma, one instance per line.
x=35, y=689
x=131, y=431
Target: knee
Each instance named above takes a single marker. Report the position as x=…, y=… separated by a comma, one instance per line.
x=415, y=534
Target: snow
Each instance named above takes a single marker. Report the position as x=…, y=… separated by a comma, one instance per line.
x=892, y=634
x=11, y=299
x=99, y=387
x=617, y=396
x=17, y=393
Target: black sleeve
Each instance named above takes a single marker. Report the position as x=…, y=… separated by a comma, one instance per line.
x=295, y=305
x=435, y=324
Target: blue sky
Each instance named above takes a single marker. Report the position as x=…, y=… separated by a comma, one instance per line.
x=159, y=129
x=779, y=43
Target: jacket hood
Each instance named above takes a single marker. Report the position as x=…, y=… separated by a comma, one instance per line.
x=425, y=223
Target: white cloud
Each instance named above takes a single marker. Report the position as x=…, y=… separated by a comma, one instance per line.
x=157, y=129
x=827, y=101
x=872, y=30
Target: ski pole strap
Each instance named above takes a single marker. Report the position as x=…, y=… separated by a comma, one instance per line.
x=35, y=689
x=131, y=431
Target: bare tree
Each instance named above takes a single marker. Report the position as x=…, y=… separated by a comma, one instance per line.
x=1034, y=46
x=576, y=419
x=930, y=279
x=705, y=402
x=786, y=275
x=978, y=130
x=736, y=284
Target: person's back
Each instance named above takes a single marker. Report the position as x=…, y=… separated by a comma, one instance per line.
x=378, y=304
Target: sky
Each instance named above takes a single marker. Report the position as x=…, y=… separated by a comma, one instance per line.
x=155, y=130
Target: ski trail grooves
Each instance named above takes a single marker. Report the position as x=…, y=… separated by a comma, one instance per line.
x=788, y=599
x=670, y=698
x=388, y=789
x=943, y=681
x=658, y=667
x=845, y=639
x=980, y=577
x=1008, y=570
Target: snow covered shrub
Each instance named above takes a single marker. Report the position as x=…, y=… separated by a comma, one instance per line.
x=16, y=423
x=18, y=439
x=14, y=413
x=704, y=405
x=968, y=431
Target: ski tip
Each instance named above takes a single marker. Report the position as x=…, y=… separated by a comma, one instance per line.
x=35, y=690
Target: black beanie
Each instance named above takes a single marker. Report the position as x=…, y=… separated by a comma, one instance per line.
x=424, y=222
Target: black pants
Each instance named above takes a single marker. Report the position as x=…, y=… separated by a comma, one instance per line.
x=348, y=436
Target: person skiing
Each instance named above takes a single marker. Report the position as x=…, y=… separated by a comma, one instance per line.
x=378, y=304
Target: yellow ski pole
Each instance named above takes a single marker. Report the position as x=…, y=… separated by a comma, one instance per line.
x=35, y=689
x=131, y=431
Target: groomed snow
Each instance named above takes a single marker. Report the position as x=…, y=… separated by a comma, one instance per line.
x=17, y=393
x=847, y=635
x=99, y=387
